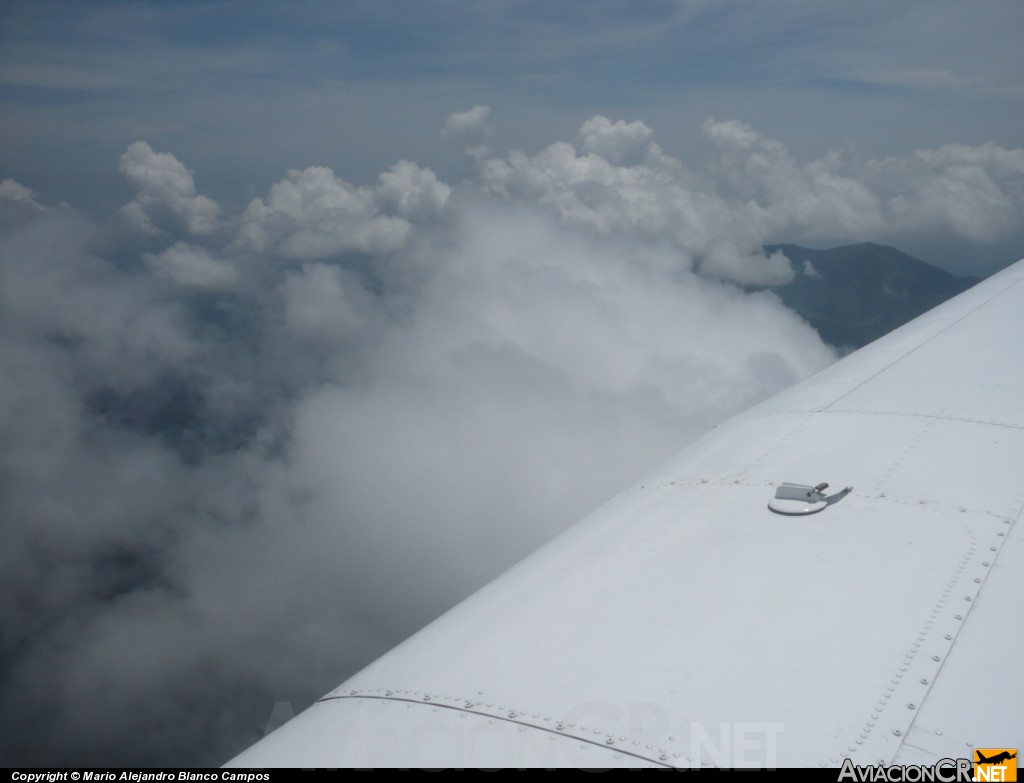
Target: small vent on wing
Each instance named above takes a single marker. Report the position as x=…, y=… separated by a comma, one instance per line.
x=801, y=499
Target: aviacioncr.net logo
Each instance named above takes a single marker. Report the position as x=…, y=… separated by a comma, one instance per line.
x=995, y=764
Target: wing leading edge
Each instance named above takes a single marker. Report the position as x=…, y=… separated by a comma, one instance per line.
x=685, y=624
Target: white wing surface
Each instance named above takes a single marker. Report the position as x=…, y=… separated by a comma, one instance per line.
x=686, y=624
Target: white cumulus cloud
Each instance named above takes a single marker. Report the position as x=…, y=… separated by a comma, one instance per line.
x=470, y=129
x=166, y=197
x=190, y=265
x=314, y=214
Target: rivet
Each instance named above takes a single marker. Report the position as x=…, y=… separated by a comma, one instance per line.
x=924, y=680
x=970, y=744
x=986, y=564
x=1006, y=521
x=993, y=549
x=958, y=616
x=938, y=732
x=967, y=598
x=558, y=725
x=963, y=511
x=948, y=637
x=911, y=706
x=897, y=732
x=936, y=658
x=609, y=740
x=663, y=756
x=426, y=698
x=469, y=705
x=1000, y=533
x=512, y=713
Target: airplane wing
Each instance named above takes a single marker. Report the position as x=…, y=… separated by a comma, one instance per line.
x=684, y=623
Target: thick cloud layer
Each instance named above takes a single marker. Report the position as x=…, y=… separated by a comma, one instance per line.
x=244, y=454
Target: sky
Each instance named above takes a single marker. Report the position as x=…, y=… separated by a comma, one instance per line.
x=314, y=317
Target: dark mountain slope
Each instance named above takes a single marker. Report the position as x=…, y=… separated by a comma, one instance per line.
x=857, y=293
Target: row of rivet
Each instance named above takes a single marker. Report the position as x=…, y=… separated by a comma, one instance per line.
x=948, y=638
x=489, y=709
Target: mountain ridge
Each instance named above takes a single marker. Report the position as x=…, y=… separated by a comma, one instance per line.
x=854, y=294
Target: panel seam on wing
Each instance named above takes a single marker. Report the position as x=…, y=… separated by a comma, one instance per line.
x=931, y=337
x=514, y=717
x=941, y=417
x=995, y=547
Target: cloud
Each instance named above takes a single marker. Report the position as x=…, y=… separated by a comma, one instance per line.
x=643, y=192
x=166, y=197
x=976, y=193
x=411, y=192
x=313, y=214
x=17, y=203
x=324, y=304
x=470, y=129
x=187, y=264
x=783, y=198
x=235, y=468
x=13, y=191
x=620, y=143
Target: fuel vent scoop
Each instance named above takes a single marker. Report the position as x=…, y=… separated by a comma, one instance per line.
x=801, y=499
